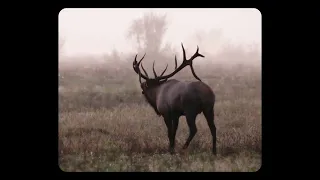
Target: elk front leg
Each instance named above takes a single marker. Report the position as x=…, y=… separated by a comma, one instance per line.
x=168, y=122
x=175, y=123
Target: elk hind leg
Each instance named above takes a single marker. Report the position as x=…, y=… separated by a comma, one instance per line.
x=191, y=121
x=209, y=115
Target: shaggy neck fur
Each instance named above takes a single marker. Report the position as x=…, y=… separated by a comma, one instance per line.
x=151, y=97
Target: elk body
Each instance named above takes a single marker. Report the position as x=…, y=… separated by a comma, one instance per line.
x=172, y=99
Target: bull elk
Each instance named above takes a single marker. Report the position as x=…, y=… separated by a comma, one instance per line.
x=172, y=99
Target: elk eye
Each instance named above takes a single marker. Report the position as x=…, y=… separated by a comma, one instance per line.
x=142, y=92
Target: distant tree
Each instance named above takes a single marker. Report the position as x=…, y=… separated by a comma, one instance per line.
x=148, y=32
x=136, y=32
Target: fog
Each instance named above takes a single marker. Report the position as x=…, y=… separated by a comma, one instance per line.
x=97, y=31
x=96, y=34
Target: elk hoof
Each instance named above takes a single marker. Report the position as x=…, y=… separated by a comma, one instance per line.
x=185, y=146
x=171, y=151
x=214, y=152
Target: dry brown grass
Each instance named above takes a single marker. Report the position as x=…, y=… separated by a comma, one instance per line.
x=106, y=125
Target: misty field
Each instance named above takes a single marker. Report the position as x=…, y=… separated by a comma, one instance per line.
x=106, y=125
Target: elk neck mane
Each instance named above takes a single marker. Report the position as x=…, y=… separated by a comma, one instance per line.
x=153, y=94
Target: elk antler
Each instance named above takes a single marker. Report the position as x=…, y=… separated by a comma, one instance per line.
x=136, y=68
x=154, y=71
x=185, y=63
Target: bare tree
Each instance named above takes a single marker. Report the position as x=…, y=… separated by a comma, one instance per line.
x=148, y=32
x=136, y=32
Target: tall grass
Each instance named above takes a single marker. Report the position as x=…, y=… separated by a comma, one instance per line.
x=106, y=125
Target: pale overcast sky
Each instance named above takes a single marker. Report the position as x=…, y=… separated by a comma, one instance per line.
x=98, y=31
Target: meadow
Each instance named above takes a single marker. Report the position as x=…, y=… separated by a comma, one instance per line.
x=106, y=125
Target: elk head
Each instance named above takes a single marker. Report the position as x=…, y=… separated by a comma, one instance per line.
x=151, y=83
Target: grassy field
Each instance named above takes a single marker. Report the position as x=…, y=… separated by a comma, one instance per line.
x=106, y=125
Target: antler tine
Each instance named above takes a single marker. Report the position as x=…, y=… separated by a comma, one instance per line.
x=184, y=63
x=194, y=74
x=137, y=69
x=164, y=70
x=184, y=53
x=144, y=70
x=134, y=63
x=154, y=71
x=196, y=54
x=140, y=77
x=175, y=61
x=141, y=59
